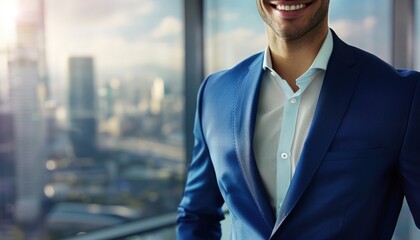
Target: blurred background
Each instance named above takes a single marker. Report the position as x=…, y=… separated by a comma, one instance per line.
x=97, y=101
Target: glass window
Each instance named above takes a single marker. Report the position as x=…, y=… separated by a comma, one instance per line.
x=365, y=24
x=417, y=35
x=232, y=33
x=414, y=231
x=91, y=114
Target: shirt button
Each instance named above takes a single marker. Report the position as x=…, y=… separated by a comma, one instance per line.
x=293, y=100
x=284, y=155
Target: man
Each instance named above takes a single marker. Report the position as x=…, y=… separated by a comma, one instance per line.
x=312, y=139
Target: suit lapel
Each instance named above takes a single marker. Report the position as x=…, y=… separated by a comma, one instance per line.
x=244, y=117
x=338, y=87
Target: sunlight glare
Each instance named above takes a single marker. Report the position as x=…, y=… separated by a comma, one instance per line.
x=8, y=16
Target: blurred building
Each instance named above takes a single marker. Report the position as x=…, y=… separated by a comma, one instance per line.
x=82, y=107
x=27, y=83
x=7, y=169
x=157, y=96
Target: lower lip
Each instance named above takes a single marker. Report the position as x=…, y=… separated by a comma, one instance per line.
x=289, y=14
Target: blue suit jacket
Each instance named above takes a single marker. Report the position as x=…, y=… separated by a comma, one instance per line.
x=361, y=156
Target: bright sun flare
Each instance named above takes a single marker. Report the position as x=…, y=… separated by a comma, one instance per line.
x=8, y=15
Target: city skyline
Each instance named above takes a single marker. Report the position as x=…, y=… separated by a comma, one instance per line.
x=54, y=163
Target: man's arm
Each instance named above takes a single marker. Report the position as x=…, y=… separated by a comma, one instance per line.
x=410, y=157
x=199, y=213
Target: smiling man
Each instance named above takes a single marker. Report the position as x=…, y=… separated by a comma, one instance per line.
x=310, y=139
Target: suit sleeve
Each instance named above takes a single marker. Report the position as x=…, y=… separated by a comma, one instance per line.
x=410, y=157
x=199, y=213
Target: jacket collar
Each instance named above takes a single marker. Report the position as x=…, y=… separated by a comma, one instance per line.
x=244, y=117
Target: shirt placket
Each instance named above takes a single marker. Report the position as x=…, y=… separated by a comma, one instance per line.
x=284, y=153
x=287, y=133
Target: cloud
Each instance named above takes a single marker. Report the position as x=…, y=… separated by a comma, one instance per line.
x=169, y=26
x=223, y=15
x=109, y=13
x=115, y=54
x=354, y=28
x=226, y=49
x=121, y=54
x=366, y=34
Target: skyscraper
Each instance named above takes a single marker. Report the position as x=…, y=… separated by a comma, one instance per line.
x=82, y=106
x=27, y=94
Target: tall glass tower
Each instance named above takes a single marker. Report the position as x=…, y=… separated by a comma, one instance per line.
x=82, y=110
x=27, y=75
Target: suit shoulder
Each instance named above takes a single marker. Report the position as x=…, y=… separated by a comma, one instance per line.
x=238, y=70
x=219, y=88
x=375, y=65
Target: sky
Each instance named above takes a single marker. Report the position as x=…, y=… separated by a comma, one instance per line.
x=119, y=33
x=142, y=38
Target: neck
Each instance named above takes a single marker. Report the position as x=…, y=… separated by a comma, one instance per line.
x=291, y=58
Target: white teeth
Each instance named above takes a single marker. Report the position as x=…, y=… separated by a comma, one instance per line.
x=290, y=7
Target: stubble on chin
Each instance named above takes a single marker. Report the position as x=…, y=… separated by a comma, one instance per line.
x=313, y=28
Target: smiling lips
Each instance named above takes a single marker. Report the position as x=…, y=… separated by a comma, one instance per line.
x=290, y=7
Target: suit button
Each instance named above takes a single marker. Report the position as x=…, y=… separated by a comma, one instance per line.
x=284, y=155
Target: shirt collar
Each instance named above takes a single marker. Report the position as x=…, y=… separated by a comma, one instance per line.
x=321, y=60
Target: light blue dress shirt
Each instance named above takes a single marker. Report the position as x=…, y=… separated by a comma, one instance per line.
x=283, y=122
